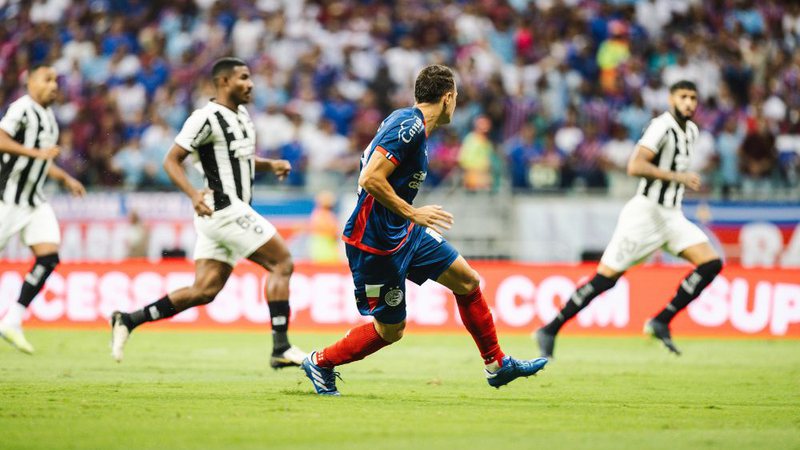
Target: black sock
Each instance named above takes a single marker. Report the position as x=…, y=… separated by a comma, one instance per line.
x=34, y=280
x=279, y=312
x=160, y=309
x=579, y=300
x=690, y=288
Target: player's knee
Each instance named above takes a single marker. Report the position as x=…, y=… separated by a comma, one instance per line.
x=205, y=295
x=284, y=267
x=469, y=282
x=390, y=333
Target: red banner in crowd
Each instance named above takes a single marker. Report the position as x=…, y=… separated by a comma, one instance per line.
x=740, y=302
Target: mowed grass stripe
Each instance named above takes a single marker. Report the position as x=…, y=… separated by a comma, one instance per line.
x=215, y=390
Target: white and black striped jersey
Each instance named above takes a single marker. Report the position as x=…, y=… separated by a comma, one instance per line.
x=674, y=148
x=224, y=144
x=34, y=126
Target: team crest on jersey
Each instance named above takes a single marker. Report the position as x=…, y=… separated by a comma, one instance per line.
x=409, y=128
x=393, y=297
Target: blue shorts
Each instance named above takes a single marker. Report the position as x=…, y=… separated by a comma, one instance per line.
x=380, y=281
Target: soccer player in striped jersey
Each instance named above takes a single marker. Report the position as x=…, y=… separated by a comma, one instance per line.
x=221, y=139
x=653, y=219
x=28, y=144
x=389, y=240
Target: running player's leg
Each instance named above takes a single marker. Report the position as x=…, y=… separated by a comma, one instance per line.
x=637, y=235
x=604, y=279
x=688, y=241
x=275, y=257
x=464, y=281
x=384, y=300
x=707, y=266
x=380, y=292
x=11, y=326
x=210, y=278
x=39, y=230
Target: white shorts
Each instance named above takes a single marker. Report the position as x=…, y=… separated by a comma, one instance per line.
x=644, y=226
x=231, y=234
x=37, y=225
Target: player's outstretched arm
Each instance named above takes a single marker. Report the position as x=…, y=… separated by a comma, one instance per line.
x=280, y=167
x=173, y=165
x=72, y=185
x=9, y=145
x=375, y=180
x=641, y=165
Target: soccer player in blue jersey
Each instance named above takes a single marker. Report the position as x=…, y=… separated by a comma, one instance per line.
x=389, y=240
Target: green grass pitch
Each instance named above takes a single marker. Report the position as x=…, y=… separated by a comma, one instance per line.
x=209, y=390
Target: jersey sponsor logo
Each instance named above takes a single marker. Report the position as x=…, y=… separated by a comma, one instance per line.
x=409, y=128
x=682, y=162
x=417, y=180
x=393, y=297
x=242, y=148
x=202, y=135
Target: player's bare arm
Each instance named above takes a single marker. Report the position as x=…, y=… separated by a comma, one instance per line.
x=9, y=145
x=72, y=185
x=374, y=179
x=280, y=167
x=641, y=165
x=173, y=165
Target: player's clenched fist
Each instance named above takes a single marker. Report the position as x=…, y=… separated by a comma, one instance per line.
x=199, y=203
x=281, y=168
x=690, y=179
x=433, y=217
x=50, y=153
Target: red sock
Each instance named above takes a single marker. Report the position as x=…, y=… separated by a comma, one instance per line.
x=478, y=320
x=356, y=345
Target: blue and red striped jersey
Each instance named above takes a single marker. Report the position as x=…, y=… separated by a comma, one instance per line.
x=402, y=140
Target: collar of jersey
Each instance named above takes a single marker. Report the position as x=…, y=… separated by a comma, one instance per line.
x=677, y=126
x=220, y=107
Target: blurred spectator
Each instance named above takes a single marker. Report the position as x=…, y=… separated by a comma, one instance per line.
x=340, y=111
x=130, y=98
x=324, y=233
x=522, y=151
x=704, y=159
x=475, y=156
x=129, y=162
x=758, y=159
x=585, y=166
x=634, y=117
x=137, y=237
x=294, y=150
x=546, y=168
x=617, y=151
x=728, y=143
x=326, y=151
x=517, y=62
x=443, y=152
x=569, y=135
x=612, y=52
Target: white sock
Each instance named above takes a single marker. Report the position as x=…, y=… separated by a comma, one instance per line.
x=493, y=367
x=14, y=315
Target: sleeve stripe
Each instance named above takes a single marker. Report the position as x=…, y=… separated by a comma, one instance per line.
x=389, y=156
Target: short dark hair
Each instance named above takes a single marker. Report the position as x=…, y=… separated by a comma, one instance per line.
x=432, y=83
x=37, y=66
x=683, y=84
x=223, y=66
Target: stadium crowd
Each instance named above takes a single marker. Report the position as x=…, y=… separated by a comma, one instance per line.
x=553, y=94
